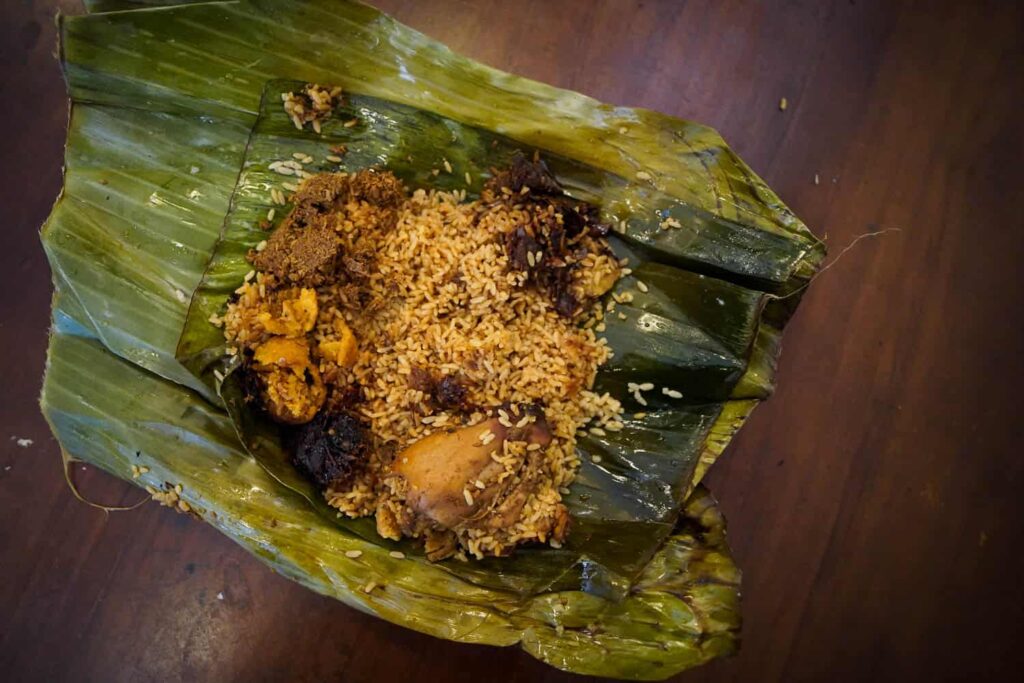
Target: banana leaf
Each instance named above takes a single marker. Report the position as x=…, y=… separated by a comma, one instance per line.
x=167, y=141
x=211, y=60
x=688, y=330
x=682, y=610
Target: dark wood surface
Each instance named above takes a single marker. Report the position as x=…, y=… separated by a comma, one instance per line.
x=875, y=503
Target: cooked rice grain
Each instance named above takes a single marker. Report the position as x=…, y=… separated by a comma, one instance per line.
x=439, y=298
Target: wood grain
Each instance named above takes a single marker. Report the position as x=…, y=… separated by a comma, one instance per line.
x=875, y=503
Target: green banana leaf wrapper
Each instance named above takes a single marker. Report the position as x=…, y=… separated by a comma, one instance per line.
x=176, y=113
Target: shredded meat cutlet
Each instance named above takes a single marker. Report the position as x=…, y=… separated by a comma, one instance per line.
x=327, y=193
x=305, y=249
x=305, y=255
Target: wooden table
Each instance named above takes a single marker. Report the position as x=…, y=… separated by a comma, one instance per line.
x=876, y=503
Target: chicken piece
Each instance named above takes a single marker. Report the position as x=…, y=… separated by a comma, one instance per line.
x=343, y=351
x=439, y=544
x=509, y=502
x=297, y=313
x=292, y=390
x=442, y=468
x=387, y=522
x=560, y=526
